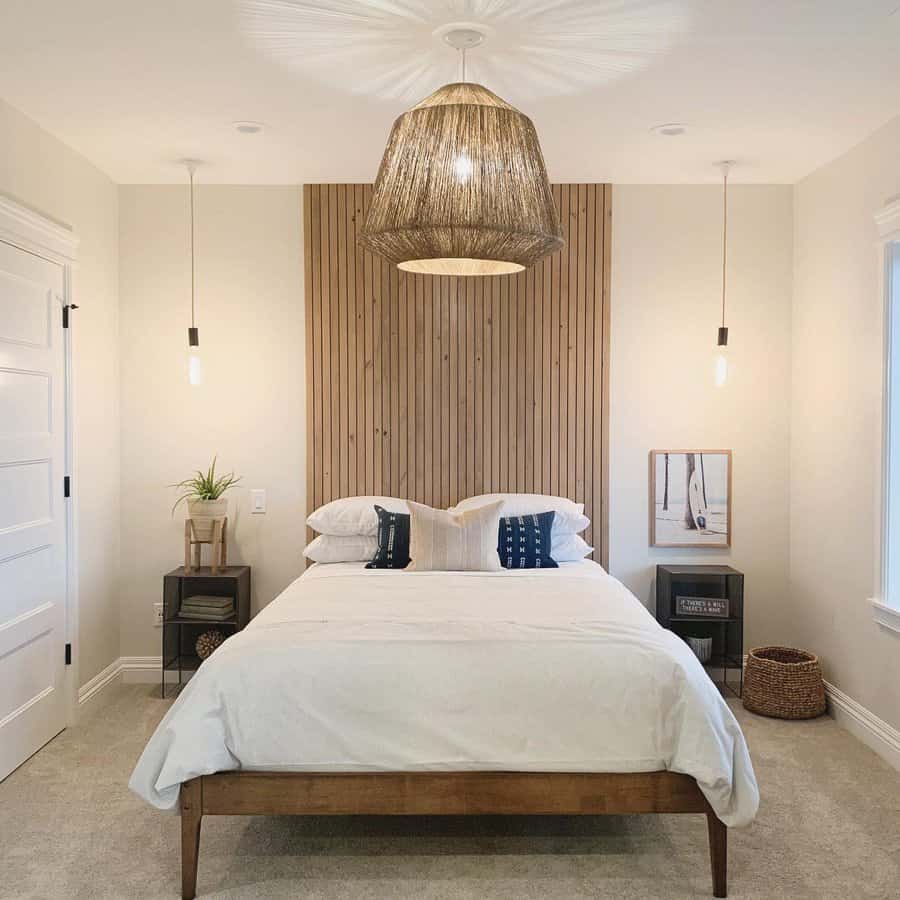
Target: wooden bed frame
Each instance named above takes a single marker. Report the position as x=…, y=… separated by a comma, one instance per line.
x=440, y=793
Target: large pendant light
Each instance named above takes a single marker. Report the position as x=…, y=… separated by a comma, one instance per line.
x=462, y=188
x=721, y=368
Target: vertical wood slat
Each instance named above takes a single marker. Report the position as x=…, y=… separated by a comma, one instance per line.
x=342, y=418
x=308, y=326
x=600, y=500
x=350, y=324
x=555, y=305
x=335, y=303
x=590, y=403
x=440, y=388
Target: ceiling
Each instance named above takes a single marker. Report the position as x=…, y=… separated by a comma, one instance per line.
x=781, y=86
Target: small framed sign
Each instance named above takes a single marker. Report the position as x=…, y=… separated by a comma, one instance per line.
x=716, y=607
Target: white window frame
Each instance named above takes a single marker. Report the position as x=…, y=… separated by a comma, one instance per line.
x=886, y=609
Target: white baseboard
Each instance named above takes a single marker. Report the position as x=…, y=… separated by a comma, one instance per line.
x=865, y=726
x=875, y=733
x=140, y=669
x=146, y=670
x=99, y=681
x=132, y=670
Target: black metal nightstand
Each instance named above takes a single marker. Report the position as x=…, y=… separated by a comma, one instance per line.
x=180, y=633
x=700, y=583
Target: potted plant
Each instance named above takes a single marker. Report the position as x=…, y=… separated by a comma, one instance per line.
x=203, y=494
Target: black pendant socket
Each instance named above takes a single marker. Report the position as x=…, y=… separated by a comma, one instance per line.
x=193, y=337
x=723, y=336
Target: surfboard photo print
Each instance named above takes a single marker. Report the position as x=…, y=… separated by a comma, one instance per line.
x=690, y=498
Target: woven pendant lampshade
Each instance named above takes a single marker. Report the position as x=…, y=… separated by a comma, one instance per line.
x=462, y=188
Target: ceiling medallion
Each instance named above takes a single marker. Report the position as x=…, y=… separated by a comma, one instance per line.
x=462, y=188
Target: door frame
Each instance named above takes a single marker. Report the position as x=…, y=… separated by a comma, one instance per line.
x=26, y=229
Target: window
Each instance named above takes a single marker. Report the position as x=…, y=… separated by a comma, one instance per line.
x=887, y=604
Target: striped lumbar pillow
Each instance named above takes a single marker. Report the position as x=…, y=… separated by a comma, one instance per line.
x=525, y=542
x=454, y=542
x=393, y=540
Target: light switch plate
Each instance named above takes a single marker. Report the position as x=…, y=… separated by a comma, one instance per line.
x=157, y=615
x=257, y=501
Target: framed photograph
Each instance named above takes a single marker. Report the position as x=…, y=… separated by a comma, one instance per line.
x=690, y=498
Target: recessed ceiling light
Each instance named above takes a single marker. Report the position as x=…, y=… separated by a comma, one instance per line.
x=248, y=127
x=670, y=129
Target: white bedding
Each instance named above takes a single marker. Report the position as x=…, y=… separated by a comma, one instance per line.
x=550, y=670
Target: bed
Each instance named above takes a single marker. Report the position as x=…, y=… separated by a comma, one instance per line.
x=389, y=692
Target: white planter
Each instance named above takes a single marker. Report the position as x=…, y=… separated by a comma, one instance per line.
x=702, y=647
x=204, y=513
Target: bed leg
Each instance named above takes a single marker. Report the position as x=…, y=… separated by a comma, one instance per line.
x=718, y=853
x=191, y=814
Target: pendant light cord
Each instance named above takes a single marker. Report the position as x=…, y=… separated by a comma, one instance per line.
x=462, y=64
x=724, y=237
x=191, y=171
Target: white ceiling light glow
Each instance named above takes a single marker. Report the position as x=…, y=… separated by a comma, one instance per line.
x=670, y=129
x=396, y=51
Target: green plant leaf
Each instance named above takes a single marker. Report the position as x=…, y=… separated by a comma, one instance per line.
x=204, y=485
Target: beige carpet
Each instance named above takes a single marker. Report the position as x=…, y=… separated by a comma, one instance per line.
x=829, y=826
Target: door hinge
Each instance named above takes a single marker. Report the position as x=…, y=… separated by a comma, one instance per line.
x=68, y=654
x=65, y=311
x=67, y=486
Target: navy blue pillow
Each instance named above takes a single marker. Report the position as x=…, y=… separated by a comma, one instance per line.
x=393, y=540
x=524, y=542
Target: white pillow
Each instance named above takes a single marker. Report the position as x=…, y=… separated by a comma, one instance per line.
x=445, y=541
x=334, y=548
x=569, y=547
x=569, y=518
x=353, y=515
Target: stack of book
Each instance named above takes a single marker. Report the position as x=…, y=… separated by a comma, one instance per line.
x=207, y=609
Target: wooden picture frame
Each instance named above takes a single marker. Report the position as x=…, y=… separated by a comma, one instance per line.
x=696, y=479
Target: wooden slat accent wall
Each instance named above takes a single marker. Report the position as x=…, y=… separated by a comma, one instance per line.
x=439, y=388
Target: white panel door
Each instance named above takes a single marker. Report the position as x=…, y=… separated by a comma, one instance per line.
x=32, y=507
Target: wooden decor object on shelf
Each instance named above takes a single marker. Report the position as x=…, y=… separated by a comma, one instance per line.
x=218, y=540
x=209, y=641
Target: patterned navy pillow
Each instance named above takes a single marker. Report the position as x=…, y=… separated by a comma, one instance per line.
x=393, y=540
x=524, y=542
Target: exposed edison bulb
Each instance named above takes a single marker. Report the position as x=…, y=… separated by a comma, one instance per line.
x=195, y=367
x=462, y=167
x=721, y=368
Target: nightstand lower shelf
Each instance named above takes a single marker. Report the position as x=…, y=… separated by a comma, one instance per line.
x=720, y=664
x=180, y=632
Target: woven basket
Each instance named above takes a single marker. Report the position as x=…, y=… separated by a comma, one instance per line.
x=784, y=683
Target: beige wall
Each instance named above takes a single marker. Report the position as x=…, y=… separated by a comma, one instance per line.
x=666, y=295
x=38, y=170
x=250, y=408
x=800, y=410
x=835, y=410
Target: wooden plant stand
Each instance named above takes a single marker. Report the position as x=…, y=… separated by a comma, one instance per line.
x=218, y=540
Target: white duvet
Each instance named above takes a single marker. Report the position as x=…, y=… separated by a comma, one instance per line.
x=537, y=670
